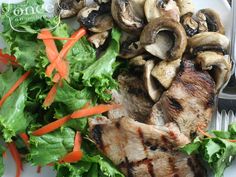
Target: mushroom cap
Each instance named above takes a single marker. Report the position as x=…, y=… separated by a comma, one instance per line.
x=212, y=20
x=150, y=34
x=156, y=8
x=185, y=6
x=150, y=83
x=208, y=41
x=70, y=8
x=96, y=17
x=165, y=72
x=220, y=64
x=190, y=24
x=128, y=15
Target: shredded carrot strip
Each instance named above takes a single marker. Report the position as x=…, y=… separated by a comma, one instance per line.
x=77, y=142
x=50, y=164
x=72, y=157
x=14, y=87
x=39, y=168
x=76, y=154
x=99, y=109
x=52, y=53
x=16, y=156
x=77, y=35
x=51, y=126
x=204, y=133
x=4, y=154
x=25, y=138
x=56, y=78
x=51, y=96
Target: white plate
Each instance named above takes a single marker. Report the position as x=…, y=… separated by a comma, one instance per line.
x=221, y=6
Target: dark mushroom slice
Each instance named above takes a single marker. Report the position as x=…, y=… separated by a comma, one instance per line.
x=189, y=23
x=150, y=83
x=70, y=8
x=130, y=46
x=208, y=41
x=96, y=17
x=164, y=38
x=102, y=1
x=220, y=64
x=165, y=72
x=128, y=15
x=157, y=8
x=98, y=39
x=211, y=20
x=185, y=6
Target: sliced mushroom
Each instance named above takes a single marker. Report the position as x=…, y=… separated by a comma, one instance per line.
x=70, y=8
x=102, y=1
x=217, y=62
x=190, y=25
x=210, y=20
x=171, y=46
x=150, y=83
x=98, y=39
x=128, y=14
x=185, y=6
x=96, y=17
x=138, y=61
x=208, y=41
x=130, y=46
x=165, y=72
x=157, y=8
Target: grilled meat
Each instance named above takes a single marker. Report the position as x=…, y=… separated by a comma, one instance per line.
x=142, y=150
x=134, y=98
x=189, y=101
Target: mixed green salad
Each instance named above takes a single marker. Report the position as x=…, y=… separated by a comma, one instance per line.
x=45, y=104
x=90, y=77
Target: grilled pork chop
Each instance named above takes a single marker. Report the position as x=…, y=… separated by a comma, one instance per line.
x=190, y=99
x=142, y=150
x=133, y=97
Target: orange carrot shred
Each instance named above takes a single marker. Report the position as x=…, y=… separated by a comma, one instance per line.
x=4, y=154
x=68, y=45
x=51, y=126
x=77, y=142
x=51, y=96
x=16, y=156
x=99, y=109
x=39, y=168
x=25, y=138
x=52, y=52
x=204, y=133
x=56, y=78
x=72, y=157
x=14, y=87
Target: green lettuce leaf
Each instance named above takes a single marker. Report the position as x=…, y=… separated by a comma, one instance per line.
x=1, y=161
x=216, y=151
x=13, y=118
x=51, y=147
x=99, y=74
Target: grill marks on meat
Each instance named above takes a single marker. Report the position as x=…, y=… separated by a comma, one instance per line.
x=189, y=101
x=142, y=150
x=134, y=98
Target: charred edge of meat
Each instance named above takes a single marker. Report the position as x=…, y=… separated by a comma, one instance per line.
x=97, y=136
x=209, y=48
x=173, y=167
x=198, y=171
x=210, y=101
x=129, y=166
x=175, y=104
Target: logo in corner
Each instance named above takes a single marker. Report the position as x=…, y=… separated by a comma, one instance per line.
x=17, y=14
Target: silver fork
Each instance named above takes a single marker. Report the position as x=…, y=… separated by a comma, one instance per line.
x=222, y=117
